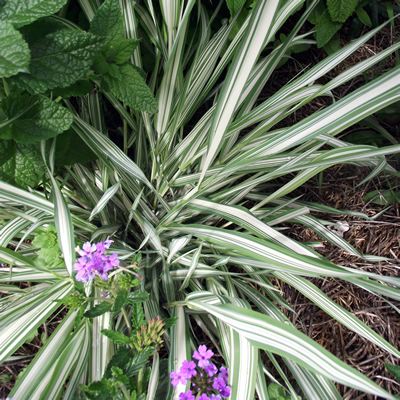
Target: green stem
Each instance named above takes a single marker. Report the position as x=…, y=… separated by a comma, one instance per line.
x=6, y=88
x=139, y=382
x=127, y=321
x=124, y=391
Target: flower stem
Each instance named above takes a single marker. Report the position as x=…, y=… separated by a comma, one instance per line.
x=124, y=313
x=139, y=382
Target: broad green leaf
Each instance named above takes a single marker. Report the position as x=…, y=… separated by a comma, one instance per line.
x=120, y=300
x=98, y=310
x=59, y=59
x=363, y=16
x=108, y=23
x=137, y=296
x=47, y=241
x=43, y=118
x=132, y=89
x=79, y=88
x=140, y=359
x=234, y=6
x=326, y=28
x=121, y=357
x=71, y=149
x=21, y=164
x=122, y=51
x=23, y=12
x=116, y=337
x=14, y=52
x=340, y=10
x=137, y=318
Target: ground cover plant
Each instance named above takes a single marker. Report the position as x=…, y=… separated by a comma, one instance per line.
x=172, y=234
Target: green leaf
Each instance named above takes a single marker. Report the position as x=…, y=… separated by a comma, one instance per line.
x=116, y=337
x=340, y=10
x=23, y=12
x=120, y=300
x=169, y=322
x=14, y=51
x=132, y=89
x=59, y=59
x=43, y=118
x=138, y=316
x=71, y=149
x=275, y=391
x=47, y=240
x=332, y=46
x=137, y=296
x=108, y=23
x=21, y=164
x=98, y=310
x=383, y=199
x=234, y=6
x=326, y=28
x=98, y=386
x=394, y=370
x=119, y=359
x=122, y=51
x=363, y=16
x=78, y=88
x=138, y=361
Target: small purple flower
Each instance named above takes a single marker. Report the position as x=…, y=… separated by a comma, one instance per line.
x=107, y=242
x=215, y=397
x=203, y=397
x=187, y=396
x=211, y=370
x=188, y=369
x=92, y=261
x=225, y=392
x=177, y=377
x=203, y=355
x=87, y=249
x=219, y=383
x=224, y=374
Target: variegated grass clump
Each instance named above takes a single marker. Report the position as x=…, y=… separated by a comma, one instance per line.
x=195, y=200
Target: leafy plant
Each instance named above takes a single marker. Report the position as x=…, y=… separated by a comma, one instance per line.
x=45, y=57
x=330, y=15
x=193, y=190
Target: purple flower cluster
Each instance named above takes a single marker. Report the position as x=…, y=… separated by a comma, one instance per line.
x=93, y=261
x=207, y=384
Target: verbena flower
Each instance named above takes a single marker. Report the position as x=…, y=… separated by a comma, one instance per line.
x=203, y=355
x=93, y=261
x=208, y=384
x=187, y=396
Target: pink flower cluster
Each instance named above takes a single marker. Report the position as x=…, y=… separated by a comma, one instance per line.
x=93, y=261
x=208, y=384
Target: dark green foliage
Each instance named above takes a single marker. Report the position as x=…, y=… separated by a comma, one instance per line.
x=59, y=59
x=116, y=337
x=35, y=118
x=23, y=12
x=14, y=51
x=98, y=310
x=120, y=300
x=21, y=164
x=138, y=318
x=71, y=149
